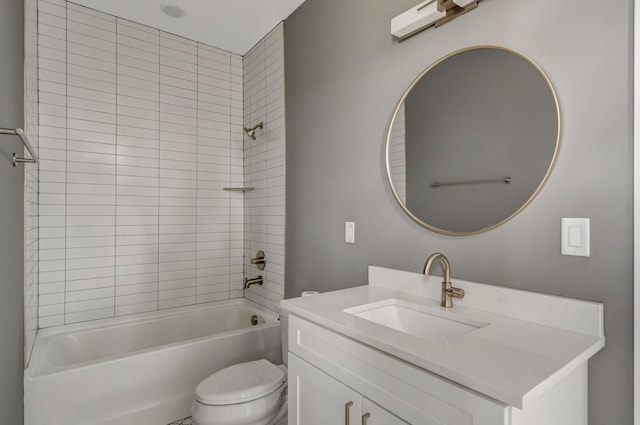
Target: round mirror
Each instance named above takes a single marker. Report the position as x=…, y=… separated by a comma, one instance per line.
x=473, y=140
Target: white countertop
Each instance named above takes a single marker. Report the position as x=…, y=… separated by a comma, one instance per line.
x=513, y=361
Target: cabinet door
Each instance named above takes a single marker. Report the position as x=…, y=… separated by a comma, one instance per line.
x=372, y=414
x=317, y=399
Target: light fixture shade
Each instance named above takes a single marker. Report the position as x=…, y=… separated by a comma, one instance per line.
x=464, y=3
x=416, y=18
x=429, y=13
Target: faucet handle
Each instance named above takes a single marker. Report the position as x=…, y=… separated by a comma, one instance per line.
x=455, y=292
x=260, y=260
x=449, y=292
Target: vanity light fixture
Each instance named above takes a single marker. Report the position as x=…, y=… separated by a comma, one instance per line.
x=429, y=13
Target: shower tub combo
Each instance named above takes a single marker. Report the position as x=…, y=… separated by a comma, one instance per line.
x=141, y=369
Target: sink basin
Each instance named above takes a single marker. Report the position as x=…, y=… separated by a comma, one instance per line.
x=422, y=322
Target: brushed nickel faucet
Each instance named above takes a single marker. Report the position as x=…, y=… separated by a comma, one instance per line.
x=255, y=281
x=448, y=291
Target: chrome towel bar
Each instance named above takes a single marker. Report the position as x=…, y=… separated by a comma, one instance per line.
x=238, y=189
x=20, y=133
x=436, y=185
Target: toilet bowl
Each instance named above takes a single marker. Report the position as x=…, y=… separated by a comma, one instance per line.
x=251, y=393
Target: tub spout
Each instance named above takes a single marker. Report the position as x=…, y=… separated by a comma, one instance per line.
x=255, y=281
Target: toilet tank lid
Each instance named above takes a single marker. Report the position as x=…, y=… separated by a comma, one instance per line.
x=240, y=383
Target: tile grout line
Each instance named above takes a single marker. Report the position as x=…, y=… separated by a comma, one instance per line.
x=230, y=262
x=66, y=161
x=195, y=283
x=266, y=159
x=158, y=171
x=115, y=230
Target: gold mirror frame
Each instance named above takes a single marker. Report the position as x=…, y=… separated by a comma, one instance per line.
x=533, y=194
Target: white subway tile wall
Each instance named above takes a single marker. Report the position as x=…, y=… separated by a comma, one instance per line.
x=178, y=172
x=31, y=177
x=264, y=167
x=137, y=168
x=91, y=166
x=139, y=132
x=52, y=70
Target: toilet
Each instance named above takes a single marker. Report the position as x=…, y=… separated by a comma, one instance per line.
x=250, y=393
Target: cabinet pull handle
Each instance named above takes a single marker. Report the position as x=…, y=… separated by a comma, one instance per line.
x=346, y=412
x=365, y=417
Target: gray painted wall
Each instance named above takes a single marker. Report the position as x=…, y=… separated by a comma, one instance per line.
x=345, y=74
x=11, y=214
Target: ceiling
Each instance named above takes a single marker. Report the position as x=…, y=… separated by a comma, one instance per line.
x=233, y=25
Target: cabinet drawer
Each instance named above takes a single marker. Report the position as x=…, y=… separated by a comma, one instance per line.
x=413, y=394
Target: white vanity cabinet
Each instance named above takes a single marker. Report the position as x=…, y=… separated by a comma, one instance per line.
x=322, y=400
x=327, y=370
x=499, y=357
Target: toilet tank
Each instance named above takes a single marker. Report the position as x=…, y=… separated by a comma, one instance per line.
x=284, y=333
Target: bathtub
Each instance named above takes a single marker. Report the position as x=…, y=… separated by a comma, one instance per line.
x=143, y=369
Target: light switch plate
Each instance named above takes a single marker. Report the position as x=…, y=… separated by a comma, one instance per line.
x=575, y=237
x=349, y=232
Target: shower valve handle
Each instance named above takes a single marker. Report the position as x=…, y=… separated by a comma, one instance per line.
x=260, y=260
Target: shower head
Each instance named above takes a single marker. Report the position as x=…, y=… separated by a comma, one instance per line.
x=252, y=131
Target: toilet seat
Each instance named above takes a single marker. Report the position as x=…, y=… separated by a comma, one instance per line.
x=240, y=383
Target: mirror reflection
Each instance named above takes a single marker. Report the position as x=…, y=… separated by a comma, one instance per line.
x=472, y=140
